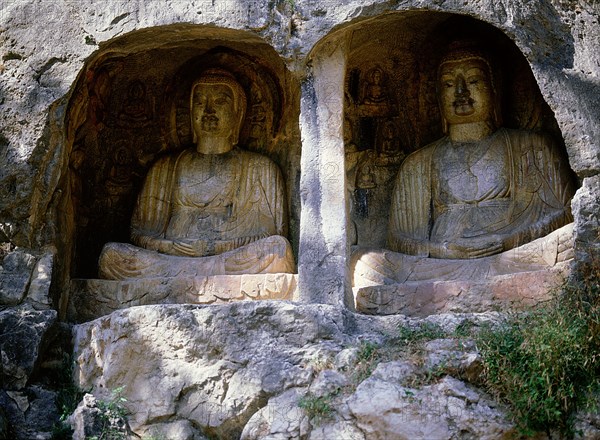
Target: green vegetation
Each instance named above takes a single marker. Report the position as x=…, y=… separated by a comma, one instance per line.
x=546, y=363
x=367, y=358
x=67, y=400
x=112, y=415
x=317, y=408
x=422, y=332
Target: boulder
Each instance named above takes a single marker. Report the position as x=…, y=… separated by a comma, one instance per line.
x=213, y=365
x=242, y=369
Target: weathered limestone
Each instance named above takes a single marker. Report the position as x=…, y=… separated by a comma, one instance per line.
x=52, y=60
x=90, y=299
x=387, y=410
x=32, y=412
x=241, y=370
x=323, y=252
x=14, y=277
x=587, y=221
x=223, y=363
x=516, y=291
x=556, y=44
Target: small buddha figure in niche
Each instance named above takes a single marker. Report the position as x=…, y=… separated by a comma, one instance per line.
x=375, y=93
x=481, y=201
x=137, y=109
x=389, y=154
x=210, y=210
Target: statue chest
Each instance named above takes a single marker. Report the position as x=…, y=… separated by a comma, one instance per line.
x=471, y=172
x=210, y=180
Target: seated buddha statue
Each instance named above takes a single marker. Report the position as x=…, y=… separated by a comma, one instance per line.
x=482, y=201
x=210, y=210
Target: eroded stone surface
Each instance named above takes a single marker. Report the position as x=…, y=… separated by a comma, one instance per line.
x=22, y=330
x=90, y=299
x=15, y=273
x=504, y=292
x=31, y=412
x=244, y=368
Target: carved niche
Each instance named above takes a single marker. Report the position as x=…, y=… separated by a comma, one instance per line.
x=137, y=110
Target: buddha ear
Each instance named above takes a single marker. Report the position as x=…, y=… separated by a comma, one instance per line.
x=241, y=104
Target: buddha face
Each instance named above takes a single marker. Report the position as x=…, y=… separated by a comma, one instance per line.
x=466, y=92
x=214, y=111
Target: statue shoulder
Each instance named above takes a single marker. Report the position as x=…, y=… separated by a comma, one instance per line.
x=422, y=156
x=534, y=139
x=258, y=160
x=167, y=160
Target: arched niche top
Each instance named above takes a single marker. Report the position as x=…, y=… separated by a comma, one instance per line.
x=130, y=105
x=406, y=47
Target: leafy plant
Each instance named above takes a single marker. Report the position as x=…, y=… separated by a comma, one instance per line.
x=545, y=363
x=366, y=359
x=113, y=417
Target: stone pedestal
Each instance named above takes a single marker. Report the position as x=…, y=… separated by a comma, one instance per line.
x=515, y=291
x=92, y=298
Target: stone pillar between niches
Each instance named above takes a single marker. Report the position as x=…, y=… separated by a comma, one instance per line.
x=323, y=252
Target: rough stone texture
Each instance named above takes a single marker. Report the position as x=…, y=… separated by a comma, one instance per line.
x=22, y=330
x=90, y=299
x=44, y=49
x=323, y=248
x=31, y=412
x=219, y=373
x=505, y=292
x=15, y=273
x=387, y=410
x=85, y=420
x=26, y=277
x=38, y=294
x=280, y=418
x=587, y=219
x=241, y=370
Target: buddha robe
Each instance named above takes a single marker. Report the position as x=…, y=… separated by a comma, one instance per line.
x=509, y=189
x=213, y=214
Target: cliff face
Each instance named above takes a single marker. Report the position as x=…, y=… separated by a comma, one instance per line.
x=66, y=188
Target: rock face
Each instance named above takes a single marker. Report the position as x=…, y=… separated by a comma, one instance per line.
x=25, y=277
x=22, y=331
x=505, y=292
x=76, y=150
x=265, y=370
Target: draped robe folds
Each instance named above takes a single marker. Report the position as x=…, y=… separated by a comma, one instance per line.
x=229, y=208
x=527, y=197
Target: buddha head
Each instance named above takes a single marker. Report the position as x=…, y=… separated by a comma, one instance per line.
x=466, y=88
x=217, y=107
